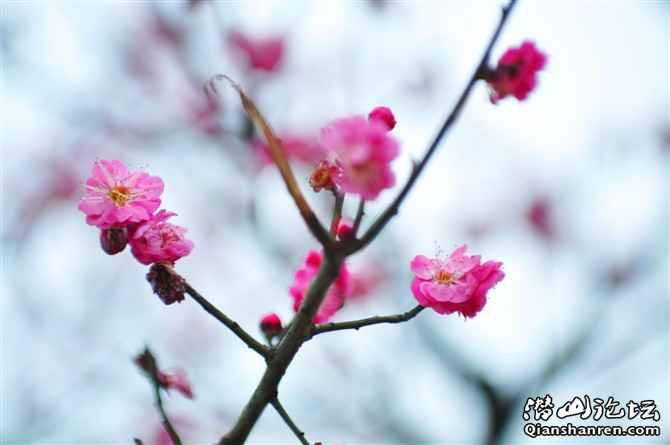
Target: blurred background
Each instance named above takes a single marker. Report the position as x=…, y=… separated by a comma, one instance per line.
x=568, y=188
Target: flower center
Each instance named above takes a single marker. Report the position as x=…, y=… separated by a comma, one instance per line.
x=444, y=277
x=119, y=195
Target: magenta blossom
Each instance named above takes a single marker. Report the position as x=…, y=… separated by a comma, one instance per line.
x=336, y=295
x=458, y=284
x=157, y=240
x=364, y=150
x=271, y=325
x=516, y=73
x=261, y=54
x=115, y=197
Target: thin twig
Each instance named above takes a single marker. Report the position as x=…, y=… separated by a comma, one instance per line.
x=278, y=156
x=357, y=324
x=393, y=208
x=166, y=422
x=359, y=216
x=337, y=212
x=228, y=322
x=284, y=415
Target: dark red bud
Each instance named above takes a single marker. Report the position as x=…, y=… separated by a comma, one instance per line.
x=113, y=240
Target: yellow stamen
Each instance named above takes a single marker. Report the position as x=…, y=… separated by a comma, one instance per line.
x=444, y=277
x=119, y=195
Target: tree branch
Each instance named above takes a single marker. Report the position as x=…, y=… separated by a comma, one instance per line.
x=278, y=156
x=394, y=207
x=357, y=324
x=359, y=216
x=284, y=415
x=337, y=213
x=176, y=440
x=228, y=322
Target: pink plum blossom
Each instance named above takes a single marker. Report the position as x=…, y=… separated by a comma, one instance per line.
x=261, y=54
x=157, y=240
x=384, y=115
x=458, y=284
x=516, y=73
x=116, y=197
x=364, y=151
x=336, y=295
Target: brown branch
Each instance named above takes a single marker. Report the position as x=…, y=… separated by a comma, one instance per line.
x=266, y=390
x=337, y=212
x=284, y=415
x=357, y=324
x=229, y=323
x=359, y=216
x=279, y=158
x=394, y=207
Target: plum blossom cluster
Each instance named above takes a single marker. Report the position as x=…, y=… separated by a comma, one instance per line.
x=123, y=204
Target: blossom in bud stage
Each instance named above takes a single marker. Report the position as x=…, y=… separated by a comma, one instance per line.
x=113, y=240
x=157, y=240
x=459, y=284
x=384, y=115
x=166, y=283
x=176, y=380
x=116, y=197
x=323, y=176
x=271, y=325
x=516, y=73
x=336, y=295
x=364, y=150
x=261, y=54
x=298, y=148
x=345, y=229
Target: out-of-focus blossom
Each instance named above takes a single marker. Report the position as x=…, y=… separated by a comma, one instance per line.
x=203, y=112
x=364, y=150
x=298, y=148
x=516, y=73
x=539, y=216
x=166, y=283
x=176, y=380
x=365, y=280
x=271, y=325
x=261, y=54
x=323, y=176
x=384, y=115
x=116, y=197
x=459, y=284
x=113, y=240
x=157, y=240
x=336, y=295
x=164, y=31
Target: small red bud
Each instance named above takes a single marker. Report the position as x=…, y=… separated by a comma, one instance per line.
x=271, y=325
x=344, y=230
x=113, y=240
x=384, y=115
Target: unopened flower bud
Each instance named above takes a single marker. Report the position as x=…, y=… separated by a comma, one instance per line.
x=113, y=240
x=166, y=283
x=384, y=115
x=271, y=325
x=345, y=230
